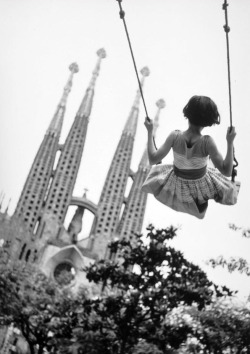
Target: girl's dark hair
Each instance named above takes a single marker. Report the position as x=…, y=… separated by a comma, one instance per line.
x=201, y=111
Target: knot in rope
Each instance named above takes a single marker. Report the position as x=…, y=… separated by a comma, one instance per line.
x=121, y=13
x=224, y=6
x=226, y=28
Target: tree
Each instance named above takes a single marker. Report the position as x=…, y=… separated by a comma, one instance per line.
x=140, y=291
x=150, y=300
x=39, y=308
x=226, y=327
x=221, y=327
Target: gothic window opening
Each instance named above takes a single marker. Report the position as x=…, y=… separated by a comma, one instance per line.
x=22, y=251
x=122, y=210
x=27, y=256
x=37, y=225
x=58, y=154
x=128, y=187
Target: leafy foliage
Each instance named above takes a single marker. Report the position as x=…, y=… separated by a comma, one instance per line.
x=233, y=263
x=244, y=232
x=141, y=288
x=150, y=300
x=222, y=327
x=36, y=306
x=226, y=326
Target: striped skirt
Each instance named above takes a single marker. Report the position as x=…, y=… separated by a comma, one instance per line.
x=190, y=195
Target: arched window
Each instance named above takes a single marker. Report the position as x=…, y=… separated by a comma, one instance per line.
x=22, y=251
x=27, y=256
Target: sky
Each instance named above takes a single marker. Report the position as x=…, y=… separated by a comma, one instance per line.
x=184, y=45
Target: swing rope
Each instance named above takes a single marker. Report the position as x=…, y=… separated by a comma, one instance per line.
x=122, y=16
x=227, y=30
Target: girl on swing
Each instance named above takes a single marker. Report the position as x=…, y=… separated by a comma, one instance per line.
x=188, y=184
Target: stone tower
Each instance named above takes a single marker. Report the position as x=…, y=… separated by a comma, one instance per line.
x=112, y=196
x=30, y=204
x=135, y=205
x=61, y=189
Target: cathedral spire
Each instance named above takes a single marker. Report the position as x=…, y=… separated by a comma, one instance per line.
x=57, y=121
x=131, y=124
x=160, y=104
x=63, y=182
x=112, y=196
x=86, y=105
x=133, y=214
x=30, y=204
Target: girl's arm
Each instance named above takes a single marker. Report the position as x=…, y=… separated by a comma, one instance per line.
x=225, y=166
x=155, y=155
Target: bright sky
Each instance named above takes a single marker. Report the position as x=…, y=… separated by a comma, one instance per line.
x=183, y=44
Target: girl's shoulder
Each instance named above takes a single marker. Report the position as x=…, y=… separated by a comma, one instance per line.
x=176, y=139
x=175, y=134
x=208, y=139
x=207, y=142
x=211, y=144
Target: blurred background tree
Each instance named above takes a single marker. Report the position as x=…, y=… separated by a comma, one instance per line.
x=150, y=300
x=142, y=283
x=37, y=306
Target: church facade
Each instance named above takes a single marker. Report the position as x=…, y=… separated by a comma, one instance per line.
x=36, y=232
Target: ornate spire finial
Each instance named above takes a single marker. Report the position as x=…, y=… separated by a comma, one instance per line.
x=160, y=104
x=85, y=107
x=145, y=72
x=57, y=121
x=101, y=53
x=74, y=68
x=131, y=123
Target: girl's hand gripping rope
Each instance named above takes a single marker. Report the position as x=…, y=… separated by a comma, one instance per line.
x=231, y=133
x=149, y=124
